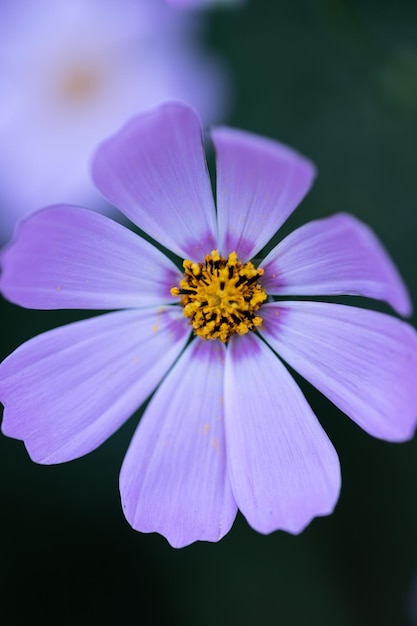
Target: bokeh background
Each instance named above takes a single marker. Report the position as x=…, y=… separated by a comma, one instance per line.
x=337, y=79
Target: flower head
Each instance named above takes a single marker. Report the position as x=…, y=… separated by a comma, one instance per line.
x=74, y=71
x=227, y=426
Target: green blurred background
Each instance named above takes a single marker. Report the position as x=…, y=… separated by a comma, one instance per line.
x=337, y=79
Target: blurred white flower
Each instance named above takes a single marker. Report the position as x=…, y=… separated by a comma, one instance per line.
x=73, y=72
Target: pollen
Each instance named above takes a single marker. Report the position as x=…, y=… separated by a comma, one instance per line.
x=221, y=296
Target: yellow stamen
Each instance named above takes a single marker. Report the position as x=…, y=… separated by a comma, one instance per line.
x=79, y=83
x=221, y=296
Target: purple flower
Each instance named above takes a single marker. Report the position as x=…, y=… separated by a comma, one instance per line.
x=227, y=426
x=71, y=72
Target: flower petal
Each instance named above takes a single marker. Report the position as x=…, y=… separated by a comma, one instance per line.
x=68, y=390
x=332, y=256
x=365, y=362
x=174, y=478
x=154, y=170
x=66, y=257
x=283, y=469
x=259, y=184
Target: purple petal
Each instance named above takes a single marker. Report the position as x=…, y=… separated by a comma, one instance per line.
x=154, y=170
x=174, y=478
x=283, y=469
x=66, y=257
x=259, y=184
x=68, y=390
x=363, y=361
x=332, y=256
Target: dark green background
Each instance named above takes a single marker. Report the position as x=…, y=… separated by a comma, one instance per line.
x=336, y=79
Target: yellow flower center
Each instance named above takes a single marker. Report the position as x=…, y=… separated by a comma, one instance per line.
x=80, y=83
x=221, y=296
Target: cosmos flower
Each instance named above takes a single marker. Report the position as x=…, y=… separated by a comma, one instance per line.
x=227, y=426
x=74, y=71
